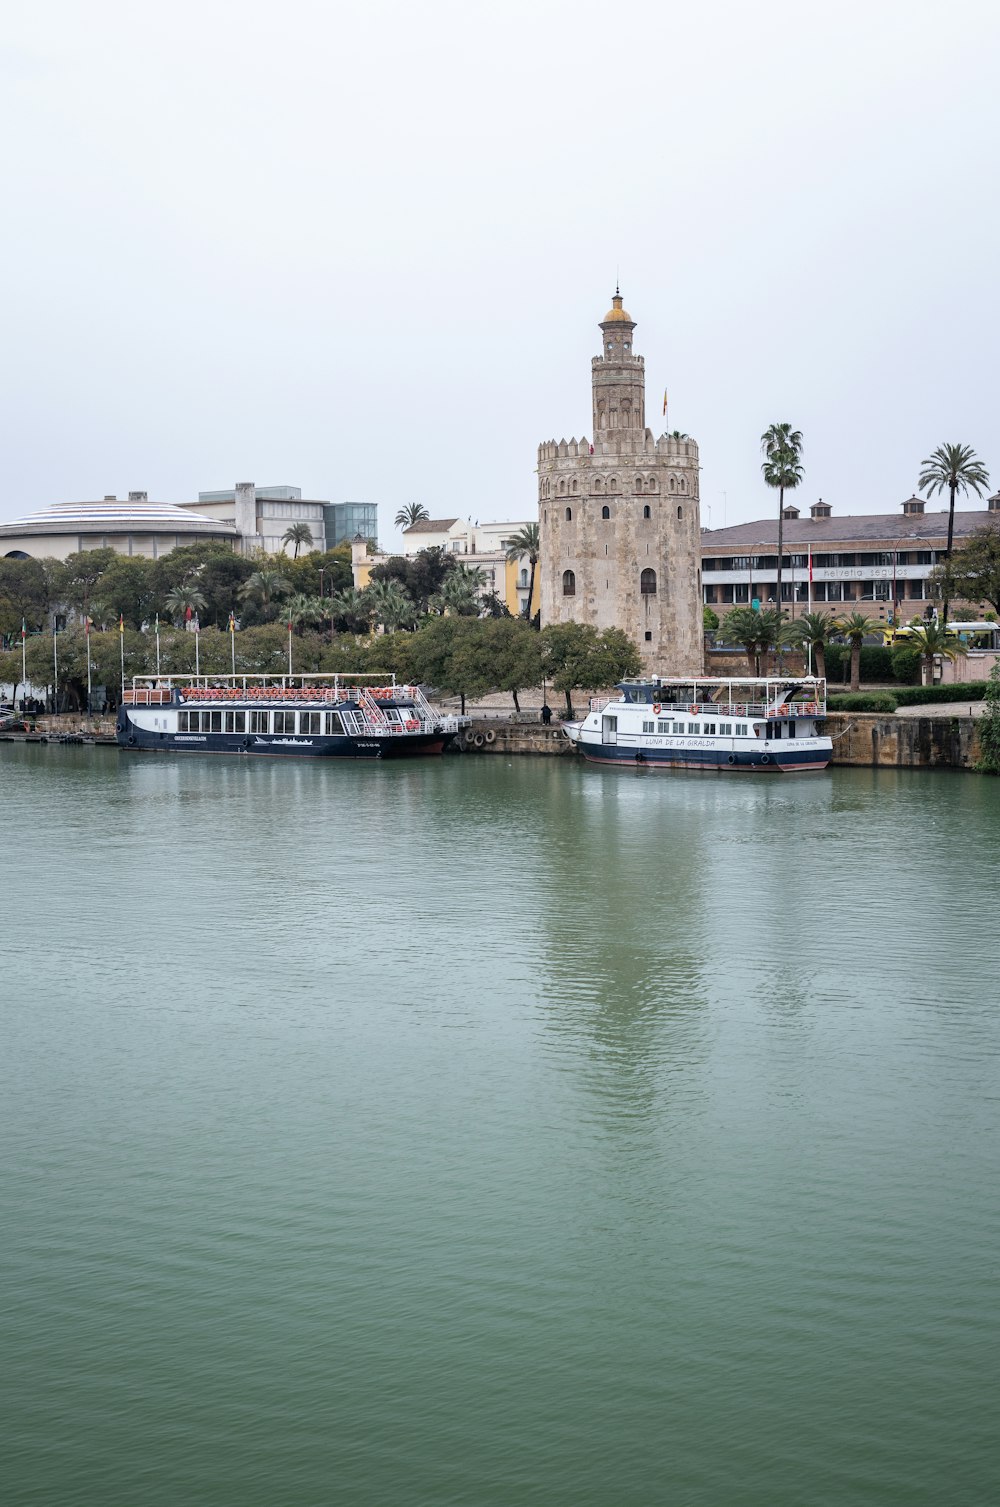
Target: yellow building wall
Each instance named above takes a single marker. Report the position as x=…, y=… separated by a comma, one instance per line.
x=512, y=570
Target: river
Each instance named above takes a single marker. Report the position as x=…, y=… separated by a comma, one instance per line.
x=483, y=1131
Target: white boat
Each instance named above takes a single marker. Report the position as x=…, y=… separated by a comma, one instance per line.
x=770, y=725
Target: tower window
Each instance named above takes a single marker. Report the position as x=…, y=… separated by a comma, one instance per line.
x=647, y=583
x=569, y=515
x=648, y=636
x=569, y=584
x=680, y=512
x=647, y=511
x=605, y=511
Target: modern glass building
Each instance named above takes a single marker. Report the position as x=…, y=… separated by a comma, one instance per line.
x=345, y=520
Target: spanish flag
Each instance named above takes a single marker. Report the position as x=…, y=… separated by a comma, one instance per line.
x=232, y=623
x=664, y=402
x=121, y=623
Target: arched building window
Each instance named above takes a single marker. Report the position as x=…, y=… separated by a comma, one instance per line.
x=680, y=512
x=605, y=512
x=647, y=583
x=562, y=487
x=647, y=511
x=569, y=584
x=569, y=515
x=638, y=483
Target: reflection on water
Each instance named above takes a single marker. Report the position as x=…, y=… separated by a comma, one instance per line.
x=482, y=1130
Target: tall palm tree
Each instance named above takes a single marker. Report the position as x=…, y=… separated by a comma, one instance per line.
x=526, y=542
x=957, y=468
x=414, y=512
x=756, y=632
x=812, y=630
x=932, y=639
x=459, y=594
x=265, y=588
x=297, y=534
x=183, y=602
x=856, y=628
x=389, y=604
x=781, y=446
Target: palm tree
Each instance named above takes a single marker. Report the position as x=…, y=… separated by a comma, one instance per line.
x=781, y=446
x=388, y=604
x=414, y=512
x=350, y=607
x=525, y=542
x=756, y=632
x=297, y=534
x=265, y=588
x=812, y=630
x=459, y=594
x=931, y=639
x=305, y=611
x=856, y=628
x=957, y=468
x=182, y=602
x=676, y=434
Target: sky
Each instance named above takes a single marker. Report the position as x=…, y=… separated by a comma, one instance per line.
x=364, y=248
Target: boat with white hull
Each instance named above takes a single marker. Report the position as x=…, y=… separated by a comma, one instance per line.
x=764, y=725
x=287, y=716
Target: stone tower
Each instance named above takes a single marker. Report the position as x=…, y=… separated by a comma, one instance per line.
x=619, y=520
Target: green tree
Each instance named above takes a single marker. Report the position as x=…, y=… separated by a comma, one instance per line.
x=389, y=605
x=974, y=571
x=576, y=657
x=26, y=592
x=755, y=632
x=954, y=468
x=304, y=611
x=709, y=619
x=183, y=602
x=856, y=628
x=931, y=640
x=513, y=653
x=782, y=469
x=305, y=573
x=76, y=585
x=349, y=610
x=813, y=630
x=216, y=568
x=262, y=593
x=459, y=593
x=128, y=589
x=988, y=761
x=447, y=653
x=413, y=512
x=526, y=542
x=420, y=576
x=297, y=534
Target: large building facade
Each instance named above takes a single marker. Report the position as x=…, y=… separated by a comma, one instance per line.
x=619, y=520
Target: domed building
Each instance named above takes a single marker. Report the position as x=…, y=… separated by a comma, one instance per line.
x=135, y=527
x=619, y=523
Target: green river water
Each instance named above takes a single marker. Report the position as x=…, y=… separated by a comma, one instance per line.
x=488, y=1131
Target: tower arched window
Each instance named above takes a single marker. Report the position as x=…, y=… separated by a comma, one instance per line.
x=613, y=484
x=569, y=515
x=651, y=484
x=647, y=583
x=569, y=584
x=683, y=486
x=647, y=511
x=605, y=511
x=673, y=485
x=638, y=483
x=562, y=487
x=680, y=512
x=576, y=485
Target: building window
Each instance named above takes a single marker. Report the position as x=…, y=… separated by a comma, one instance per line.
x=569, y=515
x=605, y=512
x=680, y=512
x=569, y=584
x=524, y=578
x=648, y=636
x=647, y=583
x=647, y=511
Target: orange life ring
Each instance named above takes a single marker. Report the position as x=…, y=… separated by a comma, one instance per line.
x=782, y=711
x=693, y=709
x=657, y=707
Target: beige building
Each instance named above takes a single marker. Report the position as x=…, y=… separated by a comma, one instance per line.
x=481, y=546
x=879, y=564
x=619, y=518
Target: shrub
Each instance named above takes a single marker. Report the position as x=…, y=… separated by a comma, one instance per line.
x=876, y=663
x=863, y=701
x=906, y=663
x=710, y=619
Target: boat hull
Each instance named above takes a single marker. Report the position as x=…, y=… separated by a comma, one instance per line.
x=707, y=761
x=137, y=739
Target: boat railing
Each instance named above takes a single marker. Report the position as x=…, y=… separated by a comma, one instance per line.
x=763, y=709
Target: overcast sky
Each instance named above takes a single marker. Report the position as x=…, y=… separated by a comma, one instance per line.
x=363, y=249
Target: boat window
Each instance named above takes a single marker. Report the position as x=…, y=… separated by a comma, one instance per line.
x=758, y=729
x=258, y=722
x=182, y=722
x=284, y=722
x=663, y=727
x=311, y=722
x=709, y=727
x=334, y=722
x=650, y=727
x=232, y=722
x=725, y=729
x=215, y=722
